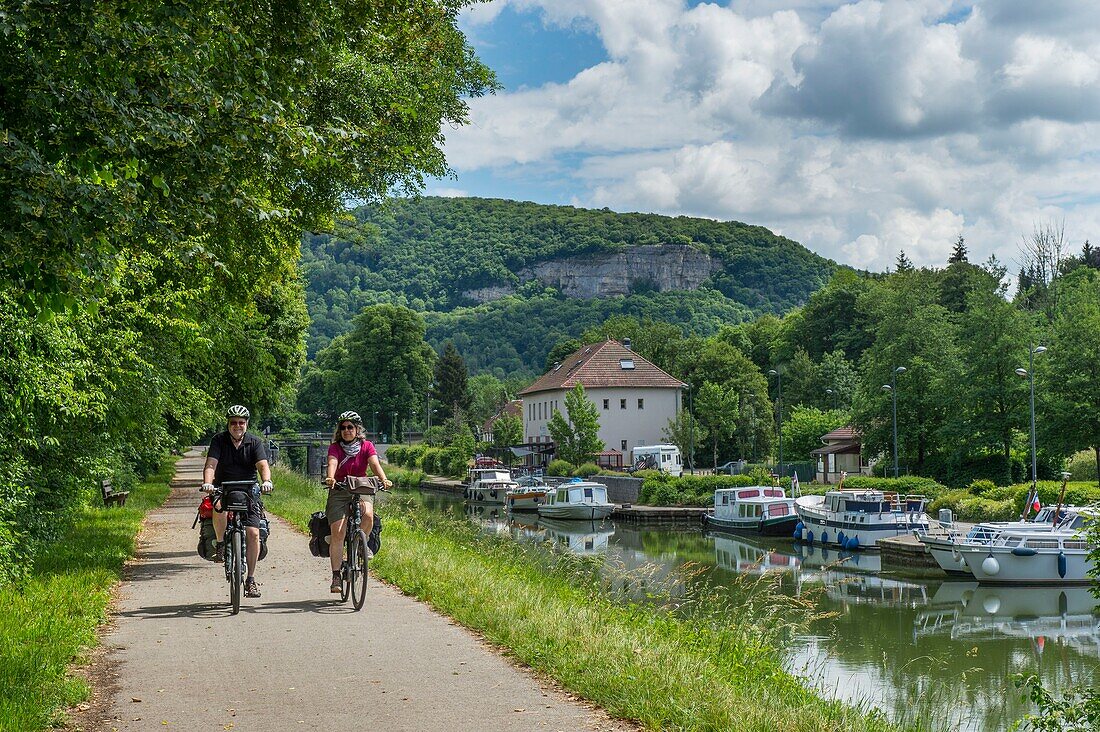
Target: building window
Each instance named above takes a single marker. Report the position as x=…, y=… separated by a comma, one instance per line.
x=623, y=445
x=641, y=404
x=622, y=404
x=606, y=403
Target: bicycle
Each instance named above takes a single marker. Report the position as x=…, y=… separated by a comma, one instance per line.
x=234, y=502
x=353, y=568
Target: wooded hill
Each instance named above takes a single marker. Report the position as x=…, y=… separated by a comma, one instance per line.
x=428, y=254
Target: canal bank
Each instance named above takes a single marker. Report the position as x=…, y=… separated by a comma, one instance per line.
x=906, y=640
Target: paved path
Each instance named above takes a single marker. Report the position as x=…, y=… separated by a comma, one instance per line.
x=300, y=660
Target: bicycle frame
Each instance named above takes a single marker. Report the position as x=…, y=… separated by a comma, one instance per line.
x=234, y=542
x=353, y=567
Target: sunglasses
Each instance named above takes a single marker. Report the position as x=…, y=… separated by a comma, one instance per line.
x=347, y=426
x=237, y=423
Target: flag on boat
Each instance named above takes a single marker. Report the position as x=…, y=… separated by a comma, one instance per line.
x=795, y=489
x=1035, y=502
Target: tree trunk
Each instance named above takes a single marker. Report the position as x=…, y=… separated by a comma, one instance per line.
x=1008, y=462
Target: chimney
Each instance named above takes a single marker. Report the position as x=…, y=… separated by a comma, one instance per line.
x=626, y=343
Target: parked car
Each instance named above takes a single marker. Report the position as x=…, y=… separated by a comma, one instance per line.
x=733, y=467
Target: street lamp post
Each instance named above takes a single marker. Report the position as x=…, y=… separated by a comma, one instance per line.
x=832, y=393
x=691, y=424
x=394, y=437
x=1029, y=372
x=779, y=378
x=892, y=387
x=376, y=426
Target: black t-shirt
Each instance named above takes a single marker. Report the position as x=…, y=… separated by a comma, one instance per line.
x=236, y=463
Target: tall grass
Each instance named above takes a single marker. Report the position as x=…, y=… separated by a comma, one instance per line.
x=49, y=620
x=667, y=653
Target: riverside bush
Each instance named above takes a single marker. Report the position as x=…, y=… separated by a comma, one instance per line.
x=1082, y=466
x=430, y=460
x=560, y=468
x=906, y=484
x=586, y=470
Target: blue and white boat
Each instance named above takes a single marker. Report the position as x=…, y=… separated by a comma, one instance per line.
x=857, y=519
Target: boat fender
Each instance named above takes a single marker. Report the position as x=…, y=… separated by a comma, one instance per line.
x=492, y=494
x=798, y=533
x=1062, y=565
x=810, y=537
x=1024, y=551
x=853, y=543
x=799, y=527
x=991, y=566
x=824, y=537
x=991, y=604
x=841, y=539
x=955, y=553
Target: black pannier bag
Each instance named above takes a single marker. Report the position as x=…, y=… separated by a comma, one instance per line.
x=207, y=539
x=374, y=541
x=319, y=531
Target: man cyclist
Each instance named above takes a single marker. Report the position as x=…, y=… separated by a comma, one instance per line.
x=349, y=454
x=237, y=455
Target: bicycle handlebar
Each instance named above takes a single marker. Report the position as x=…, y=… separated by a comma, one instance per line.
x=342, y=485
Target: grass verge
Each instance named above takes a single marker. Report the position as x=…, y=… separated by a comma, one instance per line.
x=48, y=621
x=643, y=649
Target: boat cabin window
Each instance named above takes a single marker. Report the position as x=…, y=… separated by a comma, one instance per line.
x=1012, y=541
x=563, y=495
x=773, y=493
x=725, y=499
x=587, y=492
x=1075, y=544
x=751, y=493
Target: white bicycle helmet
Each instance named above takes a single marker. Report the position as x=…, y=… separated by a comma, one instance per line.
x=237, y=411
x=351, y=417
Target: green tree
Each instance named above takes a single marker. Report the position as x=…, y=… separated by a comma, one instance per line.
x=576, y=434
x=488, y=395
x=383, y=365
x=186, y=141
x=716, y=410
x=684, y=432
x=802, y=431
x=913, y=331
x=451, y=389
x=991, y=406
x=1071, y=415
x=507, y=431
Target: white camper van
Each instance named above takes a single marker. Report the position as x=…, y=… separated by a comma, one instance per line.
x=665, y=458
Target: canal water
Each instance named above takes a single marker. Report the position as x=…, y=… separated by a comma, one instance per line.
x=914, y=646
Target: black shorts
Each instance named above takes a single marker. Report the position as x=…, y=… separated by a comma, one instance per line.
x=255, y=511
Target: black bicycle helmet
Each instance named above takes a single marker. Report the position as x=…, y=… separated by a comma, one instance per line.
x=351, y=417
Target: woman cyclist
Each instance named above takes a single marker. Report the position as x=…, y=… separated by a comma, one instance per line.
x=349, y=454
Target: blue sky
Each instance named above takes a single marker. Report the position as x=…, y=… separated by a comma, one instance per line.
x=857, y=128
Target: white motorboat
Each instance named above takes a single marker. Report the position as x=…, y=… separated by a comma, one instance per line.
x=758, y=509
x=1037, y=554
x=579, y=500
x=744, y=557
x=489, y=485
x=856, y=519
x=942, y=545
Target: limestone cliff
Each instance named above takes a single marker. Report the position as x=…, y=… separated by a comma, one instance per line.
x=649, y=267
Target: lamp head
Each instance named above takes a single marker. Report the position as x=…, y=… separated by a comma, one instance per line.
x=1021, y=372
x=1039, y=349
x=887, y=387
x=1065, y=475
x=828, y=391
x=900, y=370
x=772, y=372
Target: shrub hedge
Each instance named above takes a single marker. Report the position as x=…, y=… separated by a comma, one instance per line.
x=561, y=468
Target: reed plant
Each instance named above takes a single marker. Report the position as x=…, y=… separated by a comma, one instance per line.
x=48, y=620
x=664, y=651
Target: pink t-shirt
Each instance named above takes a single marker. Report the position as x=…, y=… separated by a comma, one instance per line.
x=358, y=466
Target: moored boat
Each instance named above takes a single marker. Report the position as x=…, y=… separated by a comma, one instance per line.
x=1043, y=554
x=527, y=497
x=856, y=519
x=489, y=485
x=943, y=545
x=580, y=500
x=756, y=509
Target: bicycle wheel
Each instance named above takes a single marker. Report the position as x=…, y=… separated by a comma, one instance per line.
x=236, y=580
x=357, y=565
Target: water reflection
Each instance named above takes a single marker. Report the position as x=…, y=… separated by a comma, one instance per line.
x=937, y=649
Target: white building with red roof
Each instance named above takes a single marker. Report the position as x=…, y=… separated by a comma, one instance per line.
x=635, y=399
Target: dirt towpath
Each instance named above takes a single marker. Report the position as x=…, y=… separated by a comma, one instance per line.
x=295, y=659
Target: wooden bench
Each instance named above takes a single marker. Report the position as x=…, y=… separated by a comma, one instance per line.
x=110, y=495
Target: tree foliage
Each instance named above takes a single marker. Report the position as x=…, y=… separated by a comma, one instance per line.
x=450, y=388
x=576, y=433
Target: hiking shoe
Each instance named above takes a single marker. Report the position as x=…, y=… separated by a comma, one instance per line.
x=219, y=551
x=251, y=589
x=335, y=586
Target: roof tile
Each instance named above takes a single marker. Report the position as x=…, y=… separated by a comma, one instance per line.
x=597, y=365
